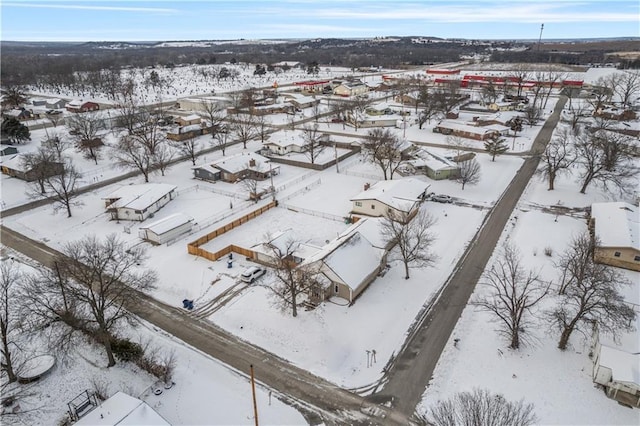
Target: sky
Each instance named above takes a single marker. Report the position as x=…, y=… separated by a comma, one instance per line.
x=116, y=20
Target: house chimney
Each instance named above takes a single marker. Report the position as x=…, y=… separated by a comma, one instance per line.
x=367, y=186
x=252, y=162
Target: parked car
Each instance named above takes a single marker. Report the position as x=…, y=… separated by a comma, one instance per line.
x=252, y=273
x=441, y=198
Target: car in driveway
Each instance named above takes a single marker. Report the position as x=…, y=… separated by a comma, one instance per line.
x=441, y=198
x=252, y=273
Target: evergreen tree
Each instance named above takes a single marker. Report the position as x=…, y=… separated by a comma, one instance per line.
x=15, y=130
x=495, y=146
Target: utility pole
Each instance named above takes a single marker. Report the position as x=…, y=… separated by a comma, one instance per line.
x=540, y=38
x=253, y=391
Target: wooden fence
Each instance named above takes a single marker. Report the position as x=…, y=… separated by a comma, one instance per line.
x=194, y=246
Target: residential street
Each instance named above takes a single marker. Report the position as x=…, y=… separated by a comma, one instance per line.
x=309, y=393
x=409, y=372
x=413, y=367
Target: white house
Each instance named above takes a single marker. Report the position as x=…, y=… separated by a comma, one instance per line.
x=138, y=202
x=616, y=227
x=166, y=229
x=335, y=268
x=122, y=409
x=283, y=143
x=400, y=195
x=616, y=365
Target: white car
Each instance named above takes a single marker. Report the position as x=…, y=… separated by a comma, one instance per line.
x=441, y=198
x=252, y=273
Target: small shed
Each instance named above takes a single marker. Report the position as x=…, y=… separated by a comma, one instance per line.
x=166, y=229
x=188, y=120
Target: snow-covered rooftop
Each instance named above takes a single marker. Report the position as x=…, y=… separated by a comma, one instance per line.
x=617, y=224
x=400, y=194
x=168, y=223
x=287, y=138
x=625, y=367
x=355, y=250
x=370, y=228
x=464, y=127
x=138, y=197
x=424, y=158
x=239, y=162
x=190, y=117
x=122, y=409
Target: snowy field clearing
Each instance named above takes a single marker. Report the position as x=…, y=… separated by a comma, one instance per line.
x=205, y=391
x=555, y=382
x=191, y=80
x=331, y=340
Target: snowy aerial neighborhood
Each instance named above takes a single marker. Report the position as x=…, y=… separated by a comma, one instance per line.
x=221, y=244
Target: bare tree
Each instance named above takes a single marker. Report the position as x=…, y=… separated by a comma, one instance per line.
x=84, y=129
x=313, y=142
x=553, y=79
x=469, y=173
x=480, y=408
x=189, y=147
x=163, y=156
x=413, y=237
x=215, y=113
x=489, y=93
x=220, y=141
x=10, y=280
x=62, y=188
x=43, y=162
x=101, y=277
x=243, y=128
x=521, y=75
x=591, y=294
x=557, y=158
x=292, y=279
x=262, y=127
x=495, y=146
x=143, y=149
x=56, y=145
x=512, y=294
x=251, y=185
x=338, y=111
x=457, y=143
x=383, y=148
x=532, y=115
x=128, y=153
x=605, y=158
x=626, y=86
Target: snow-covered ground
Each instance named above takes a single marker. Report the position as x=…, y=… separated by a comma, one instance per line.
x=331, y=341
x=559, y=384
x=205, y=391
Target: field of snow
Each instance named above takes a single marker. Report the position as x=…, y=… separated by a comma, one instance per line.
x=559, y=384
x=205, y=391
x=330, y=341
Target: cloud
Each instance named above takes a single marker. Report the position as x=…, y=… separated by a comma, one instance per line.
x=91, y=7
x=477, y=11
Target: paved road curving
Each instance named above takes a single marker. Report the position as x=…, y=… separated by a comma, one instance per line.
x=413, y=367
x=318, y=399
